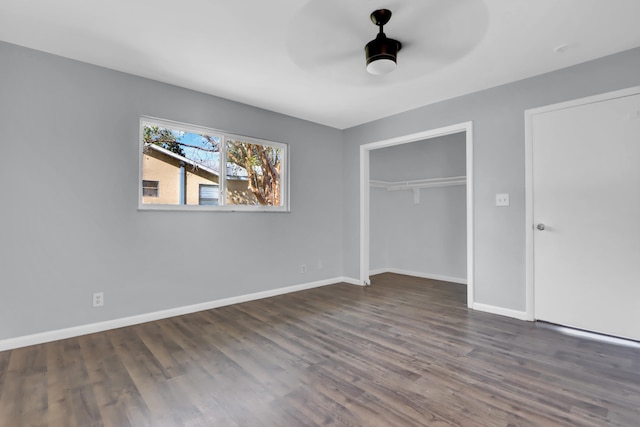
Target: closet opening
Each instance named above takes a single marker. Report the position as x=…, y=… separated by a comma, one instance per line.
x=416, y=195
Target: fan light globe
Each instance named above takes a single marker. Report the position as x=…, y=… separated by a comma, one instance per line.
x=381, y=66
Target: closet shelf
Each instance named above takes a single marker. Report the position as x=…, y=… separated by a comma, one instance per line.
x=419, y=183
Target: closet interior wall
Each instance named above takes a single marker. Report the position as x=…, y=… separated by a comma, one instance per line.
x=425, y=234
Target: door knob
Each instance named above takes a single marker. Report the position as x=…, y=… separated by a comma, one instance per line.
x=540, y=226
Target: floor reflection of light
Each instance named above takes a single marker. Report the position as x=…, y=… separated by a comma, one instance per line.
x=595, y=337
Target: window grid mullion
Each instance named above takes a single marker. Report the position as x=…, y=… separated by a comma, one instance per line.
x=222, y=178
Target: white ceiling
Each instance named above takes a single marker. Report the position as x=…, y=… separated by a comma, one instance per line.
x=255, y=51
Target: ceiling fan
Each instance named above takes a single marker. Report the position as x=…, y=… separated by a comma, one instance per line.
x=381, y=52
x=326, y=38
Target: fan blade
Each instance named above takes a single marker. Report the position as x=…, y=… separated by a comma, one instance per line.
x=327, y=37
x=439, y=26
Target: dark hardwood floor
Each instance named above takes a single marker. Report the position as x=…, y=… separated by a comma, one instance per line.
x=403, y=352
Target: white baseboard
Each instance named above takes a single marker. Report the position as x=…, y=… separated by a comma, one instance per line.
x=421, y=275
x=520, y=315
x=24, y=341
x=351, y=281
x=27, y=340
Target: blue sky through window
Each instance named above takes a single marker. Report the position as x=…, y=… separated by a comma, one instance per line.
x=197, y=148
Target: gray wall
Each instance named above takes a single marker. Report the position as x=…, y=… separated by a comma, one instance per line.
x=428, y=238
x=498, y=120
x=69, y=224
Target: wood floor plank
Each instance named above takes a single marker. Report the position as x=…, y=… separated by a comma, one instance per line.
x=59, y=399
x=118, y=398
x=403, y=352
x=34, y=389
x=86, y=411
x=12, y=393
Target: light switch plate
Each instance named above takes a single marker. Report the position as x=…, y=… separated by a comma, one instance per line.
x=502, y=199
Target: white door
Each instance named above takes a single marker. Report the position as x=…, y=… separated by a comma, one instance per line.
x=586, y=196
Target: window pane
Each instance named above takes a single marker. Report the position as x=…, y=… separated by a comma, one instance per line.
x=179, y=161
x=253, y=174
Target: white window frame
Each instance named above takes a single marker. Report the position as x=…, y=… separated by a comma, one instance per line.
x=222, y=207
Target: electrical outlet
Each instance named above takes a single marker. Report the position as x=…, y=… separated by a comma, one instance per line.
x=303, y=268
x=502, y=200
x=320, y=264
x=98, y=299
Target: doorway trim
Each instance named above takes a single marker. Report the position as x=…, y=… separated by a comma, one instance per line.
x=528, y=167
x=467, y=128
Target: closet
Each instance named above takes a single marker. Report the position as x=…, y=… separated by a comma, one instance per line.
x=418, y=209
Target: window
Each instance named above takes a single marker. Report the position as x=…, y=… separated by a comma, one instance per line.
x=208, y=195
x=187, y=161
x=150, y=188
